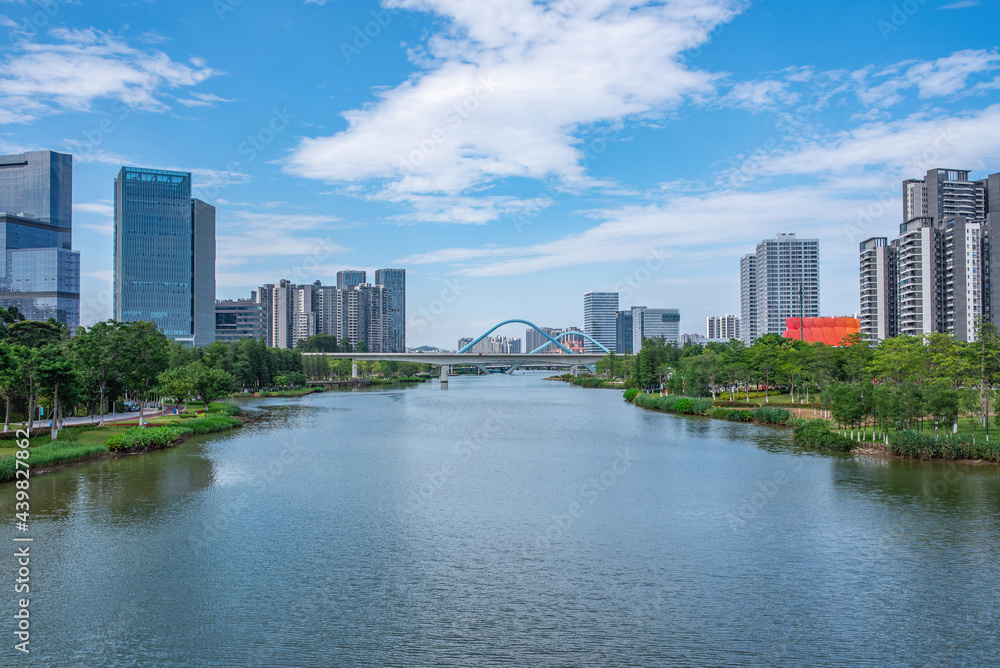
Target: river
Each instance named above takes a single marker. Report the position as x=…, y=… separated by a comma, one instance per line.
x=507, y=520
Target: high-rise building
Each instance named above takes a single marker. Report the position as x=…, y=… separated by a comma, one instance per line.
x=944, y=194
x=350, y=278
x=879, y=282
x=652, y=323
x=239, y=319
x=40, y=271
x=394, y=282
x=748, y=298
x=164, y=255
x=600, y=312
x=39, y=185
x=723, y=327
x=936, y=276
x=623, y=332
x=533, y=339
x=779, y=281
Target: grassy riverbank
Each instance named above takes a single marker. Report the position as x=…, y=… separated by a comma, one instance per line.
x=821, y=435
x=77, y=445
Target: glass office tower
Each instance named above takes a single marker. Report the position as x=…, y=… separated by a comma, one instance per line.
x=600, y=315
x=40, y=274
x=394, y=281
x=164, y=262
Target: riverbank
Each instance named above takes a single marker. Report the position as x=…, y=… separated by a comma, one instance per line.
x=589, y=382
x=81, y=445
x=817, y=434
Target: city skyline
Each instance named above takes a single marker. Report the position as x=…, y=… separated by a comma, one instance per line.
x=805, y=139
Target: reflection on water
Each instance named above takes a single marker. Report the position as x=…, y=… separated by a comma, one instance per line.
x=509, y=521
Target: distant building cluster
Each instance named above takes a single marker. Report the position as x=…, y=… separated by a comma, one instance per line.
x=40, y=273
x=164, y=266
x=493, y=345
x=285, y=313
x=624, y=331
x=935, y=277
x=723, y=327
x=571, y=339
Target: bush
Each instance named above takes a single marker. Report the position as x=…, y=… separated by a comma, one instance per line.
x=913, y=444
x=209, y=424
x=630, y=394
x=143, y=438
x=731, y=415
x=818, y=435
x=230, y=408
x=950, y=446
x=772, y=415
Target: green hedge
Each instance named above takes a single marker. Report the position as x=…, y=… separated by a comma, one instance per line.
x=950, y=446
x=630, y=394
x=47, y=455
x=142, y=438
x=818, y=435
x=731, y=415
x=209, y=424
x=674, y=404
x=772, y=415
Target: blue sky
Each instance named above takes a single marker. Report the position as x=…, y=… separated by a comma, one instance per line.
x=511, y=155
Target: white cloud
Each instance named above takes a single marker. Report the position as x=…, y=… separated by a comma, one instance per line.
x=759, y=95
x=906, y=147
x=683, y=222
x=962, y=4
x=946, y=76
x=104, y=208
x=202, y=100
x=510, y=89
x=83, y=66
x=245, y=238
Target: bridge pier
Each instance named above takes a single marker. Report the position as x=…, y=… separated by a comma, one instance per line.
x=354, y=369
x=445, y=370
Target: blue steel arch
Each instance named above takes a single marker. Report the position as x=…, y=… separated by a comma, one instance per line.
x=586, y=336
x=535, y=327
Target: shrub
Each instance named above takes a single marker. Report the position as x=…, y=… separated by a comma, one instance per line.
x=231, y=408
x=913, y=444
x=209, y=424
x=143, y=438
x=818, y=435
x=772, y=415
x=630, y=394
x=731, y=415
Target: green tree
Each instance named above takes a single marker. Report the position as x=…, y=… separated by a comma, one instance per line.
x=319, y=343
x=175, y=384
x=145, y=355
x=56, y=375
x=208, y=383
x=97, y=353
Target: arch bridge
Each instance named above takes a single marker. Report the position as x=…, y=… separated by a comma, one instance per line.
x=513, y=361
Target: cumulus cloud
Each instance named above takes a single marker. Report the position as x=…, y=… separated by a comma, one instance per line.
x=510, y=89
x=77, y=68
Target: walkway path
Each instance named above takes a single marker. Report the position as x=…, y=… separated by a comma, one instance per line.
x=95, y=421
